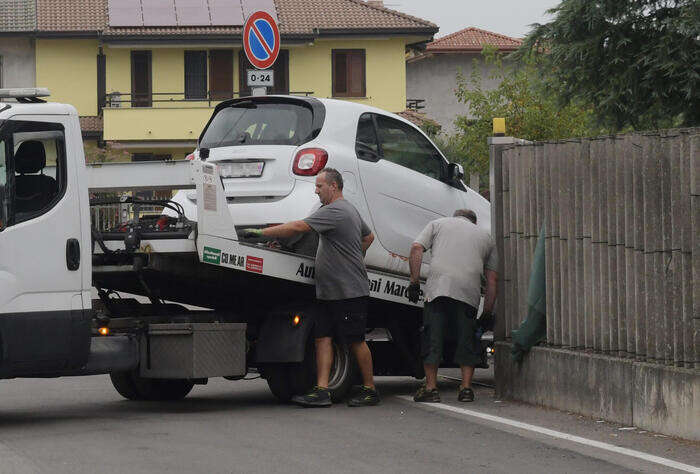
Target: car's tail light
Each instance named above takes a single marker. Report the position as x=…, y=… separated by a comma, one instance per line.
x=310, y=161
x=190, y=157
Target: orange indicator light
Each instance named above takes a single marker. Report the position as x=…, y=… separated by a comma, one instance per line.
x=296, y=320
x=104, y=331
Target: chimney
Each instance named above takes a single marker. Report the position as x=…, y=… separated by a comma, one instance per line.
x=376, y=3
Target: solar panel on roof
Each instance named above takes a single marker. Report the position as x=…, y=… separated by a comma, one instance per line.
x=158, y=13
x=252, y=6
x=226, y=12
x=192, y=12
x=125, y=13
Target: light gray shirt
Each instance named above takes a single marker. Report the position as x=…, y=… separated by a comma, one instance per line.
x=340, y=262
x=460, y=253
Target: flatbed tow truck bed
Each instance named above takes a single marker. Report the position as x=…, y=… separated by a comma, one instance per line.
x=214, y=240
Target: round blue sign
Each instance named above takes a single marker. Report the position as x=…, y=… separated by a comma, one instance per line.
x=261, y=40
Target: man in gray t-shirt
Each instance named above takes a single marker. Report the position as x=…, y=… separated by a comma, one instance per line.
x=461, y=252
x=342, y=287
x=340, y=266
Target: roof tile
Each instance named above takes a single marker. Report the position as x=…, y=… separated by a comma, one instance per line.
x=71, y=15
x=91, y=123
x=473, y=39
x=296, y=17
x=17, y=15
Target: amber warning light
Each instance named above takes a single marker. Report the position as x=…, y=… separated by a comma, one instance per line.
x=104, y=331
x=296, y=320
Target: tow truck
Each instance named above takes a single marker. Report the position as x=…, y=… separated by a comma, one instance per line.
x=254, y=302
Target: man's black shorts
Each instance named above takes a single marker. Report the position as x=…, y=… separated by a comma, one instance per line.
x=344, y=320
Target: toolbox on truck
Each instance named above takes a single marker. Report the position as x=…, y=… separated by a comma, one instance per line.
x=193, y=350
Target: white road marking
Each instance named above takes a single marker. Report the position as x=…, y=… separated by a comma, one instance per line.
x=565, y=436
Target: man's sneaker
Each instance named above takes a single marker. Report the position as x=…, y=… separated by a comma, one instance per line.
x=365, y=397
x=427, y=396
x=317, y=397
x=466, y=395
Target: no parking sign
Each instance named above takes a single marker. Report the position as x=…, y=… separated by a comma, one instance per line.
x=261, y=40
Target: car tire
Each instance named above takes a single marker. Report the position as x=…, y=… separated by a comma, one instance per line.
x=133, y=387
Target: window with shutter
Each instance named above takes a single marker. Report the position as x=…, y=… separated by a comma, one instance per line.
x=221, y=74
x=349, y=73
x=195, y=74
x=141, y=79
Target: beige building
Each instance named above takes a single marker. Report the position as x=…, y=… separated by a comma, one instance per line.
x=431, y=77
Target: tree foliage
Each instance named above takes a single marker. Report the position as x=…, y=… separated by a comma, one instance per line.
x=638, y=61
x=530, y=111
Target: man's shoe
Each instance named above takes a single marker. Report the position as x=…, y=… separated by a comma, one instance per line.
x=317, y=397
x=466, y=395
x=427, y=396
x=365, y=397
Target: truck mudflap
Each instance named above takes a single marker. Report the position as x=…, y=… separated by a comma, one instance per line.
x=283, y=336
x=218, y=244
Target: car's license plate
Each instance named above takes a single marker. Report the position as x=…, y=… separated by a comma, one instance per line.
x=243, y=169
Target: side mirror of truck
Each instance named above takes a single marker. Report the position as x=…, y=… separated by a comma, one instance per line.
x=455, y=172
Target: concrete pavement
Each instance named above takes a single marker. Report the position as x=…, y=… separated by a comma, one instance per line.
x=81, y=425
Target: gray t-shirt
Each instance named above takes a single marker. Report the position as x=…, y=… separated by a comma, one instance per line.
x=460, y=252
x=340, y=265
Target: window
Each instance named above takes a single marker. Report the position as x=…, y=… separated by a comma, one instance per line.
x=1, y=71
x=141, y=79
x=349, y=73
x=33, y=169
x=405, y=146
x=247, y=123
x=221, y=74
x=195, y=74
x=366, y=145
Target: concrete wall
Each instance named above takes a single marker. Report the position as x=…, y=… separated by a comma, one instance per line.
x=18, y=63
x=434, y=79
x=656, y=398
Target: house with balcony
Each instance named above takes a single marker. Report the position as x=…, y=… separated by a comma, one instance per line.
x=145, y=75
x=431, y=76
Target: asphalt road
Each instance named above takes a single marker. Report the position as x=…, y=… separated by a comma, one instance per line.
x=81, y=425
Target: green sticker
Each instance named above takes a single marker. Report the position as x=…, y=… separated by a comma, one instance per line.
x=212, y=255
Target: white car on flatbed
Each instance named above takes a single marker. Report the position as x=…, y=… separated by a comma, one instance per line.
x=269, y=150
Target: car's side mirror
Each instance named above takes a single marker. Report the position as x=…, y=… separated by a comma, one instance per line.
x=455, y=172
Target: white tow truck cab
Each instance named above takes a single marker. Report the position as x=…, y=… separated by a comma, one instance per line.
x=259, y=299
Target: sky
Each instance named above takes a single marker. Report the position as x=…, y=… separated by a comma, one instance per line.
x=507, y=17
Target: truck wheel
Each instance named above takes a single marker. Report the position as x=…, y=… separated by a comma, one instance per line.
x=131, y=386
x=287, y=380
x=344, y=372
x=277, y=376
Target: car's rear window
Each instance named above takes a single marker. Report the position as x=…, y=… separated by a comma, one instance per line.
x=250, y=123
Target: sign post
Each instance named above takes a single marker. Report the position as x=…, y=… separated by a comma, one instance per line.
x=261, y=43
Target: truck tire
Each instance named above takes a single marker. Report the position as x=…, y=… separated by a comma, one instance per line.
x=287, y=380
x=132, y=387
x=278, y=379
